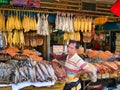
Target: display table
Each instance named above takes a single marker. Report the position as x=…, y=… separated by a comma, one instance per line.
x=58, y=86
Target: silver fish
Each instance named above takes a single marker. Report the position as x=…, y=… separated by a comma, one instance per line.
x=31, y=74
x=38, y=77
x=17, y=76
x=40, y=72
x=34, y=74
x=51, y=71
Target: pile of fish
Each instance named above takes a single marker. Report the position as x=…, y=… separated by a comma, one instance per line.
x=29, y=70
x=15, y=38
x=4, y=57
x=29, y=23
x=5, y=71
x=42, y=24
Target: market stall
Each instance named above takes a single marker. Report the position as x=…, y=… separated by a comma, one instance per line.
x=25, y=44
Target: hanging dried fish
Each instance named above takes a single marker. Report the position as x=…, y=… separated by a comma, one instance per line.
x=57, y=21
x=15, y=39
x=38, y=26
x=71, y=27
x=21, y=38
x=17, y=22
x=75, y=23
x=10, y=23
x=90, y=24
x=26, y=23
x=2, y=21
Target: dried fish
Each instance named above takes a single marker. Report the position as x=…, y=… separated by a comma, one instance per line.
x=22, y=73
x=40, y=72
x=31, y=74
x=16, y=76
x=51, y=71
x=34, y=74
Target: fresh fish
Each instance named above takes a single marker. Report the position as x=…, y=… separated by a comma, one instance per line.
x=34, y=74
x=43, y=68
x=21, y=71
x=40, y=72
x=17, y=76
x=51, y=71
x=26, y=71
x=45, y=72
x=38, y=77
x=31, y=74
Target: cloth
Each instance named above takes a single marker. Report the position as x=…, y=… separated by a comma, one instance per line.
x=93, y=78
x=36, y=84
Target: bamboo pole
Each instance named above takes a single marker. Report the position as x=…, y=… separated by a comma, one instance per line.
x=103, y=9
x=59, y=4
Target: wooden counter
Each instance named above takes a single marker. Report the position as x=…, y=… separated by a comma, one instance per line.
x=58, y=86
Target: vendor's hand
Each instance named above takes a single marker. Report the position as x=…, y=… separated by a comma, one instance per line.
x=55, y=60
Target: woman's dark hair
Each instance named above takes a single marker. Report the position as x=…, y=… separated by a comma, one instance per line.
x=77, y=43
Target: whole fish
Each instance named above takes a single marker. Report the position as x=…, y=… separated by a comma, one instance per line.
x=51, y=71
x=17, y=76
x=45, y=71
x=31, y=74
x=34, y=74
x=40, y=72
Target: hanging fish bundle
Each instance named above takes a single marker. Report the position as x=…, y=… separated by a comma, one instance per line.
x=10, y=23
x=10, y=38
x=83, y=24
x=64, y=22
x=42, y=25
x=72, y=36
x=21, y=38
x=17, y=23
x=32, y=39
x=28, y=23
x=16, y=38
x=2, y=21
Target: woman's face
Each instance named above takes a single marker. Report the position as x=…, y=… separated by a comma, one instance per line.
x=71, y=49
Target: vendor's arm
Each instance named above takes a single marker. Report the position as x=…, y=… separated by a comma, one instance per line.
x=84, y=68
x=55, y=60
